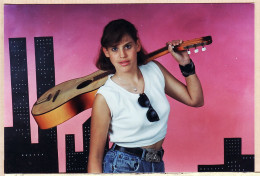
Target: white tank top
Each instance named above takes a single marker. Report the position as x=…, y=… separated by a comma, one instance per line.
x=129, y=125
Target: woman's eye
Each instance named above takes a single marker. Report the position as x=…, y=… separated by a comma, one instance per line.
x=128, y=46
x=114, y=49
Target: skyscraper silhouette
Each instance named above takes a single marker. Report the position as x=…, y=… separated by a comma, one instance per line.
x=233, y=160
x=21, y=156
x=76, y=162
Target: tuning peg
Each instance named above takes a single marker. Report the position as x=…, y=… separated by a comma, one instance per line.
x=203, y=48
x=188, y=51
x=196, y=50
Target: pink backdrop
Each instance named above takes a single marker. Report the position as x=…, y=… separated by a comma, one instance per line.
x=226, y=70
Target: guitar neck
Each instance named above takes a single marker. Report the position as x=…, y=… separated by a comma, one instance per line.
x=158, y=53
x=186, y=45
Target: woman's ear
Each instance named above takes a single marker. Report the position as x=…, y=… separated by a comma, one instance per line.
x=105, y=51
x=138, y=43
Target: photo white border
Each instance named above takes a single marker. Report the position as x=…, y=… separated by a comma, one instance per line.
x=257, y=76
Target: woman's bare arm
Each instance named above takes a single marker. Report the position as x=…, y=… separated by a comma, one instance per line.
x=100, y=121
x=190, y=94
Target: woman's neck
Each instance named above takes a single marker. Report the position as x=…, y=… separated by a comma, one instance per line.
x=132, y=81
x=132, y=76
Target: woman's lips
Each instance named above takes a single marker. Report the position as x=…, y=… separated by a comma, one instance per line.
x=124, y=63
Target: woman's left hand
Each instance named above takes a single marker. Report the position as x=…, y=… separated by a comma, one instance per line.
x=182, y=57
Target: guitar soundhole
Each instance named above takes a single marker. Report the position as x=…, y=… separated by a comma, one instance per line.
x=84, y=84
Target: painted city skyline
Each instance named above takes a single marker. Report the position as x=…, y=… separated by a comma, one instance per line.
x=226, y=69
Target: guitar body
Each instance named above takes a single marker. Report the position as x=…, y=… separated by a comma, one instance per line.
x=65, y=111
x=69, y=98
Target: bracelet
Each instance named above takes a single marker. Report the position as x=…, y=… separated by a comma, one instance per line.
x=188, y=69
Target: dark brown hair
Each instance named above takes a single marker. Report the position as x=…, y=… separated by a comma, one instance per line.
x=112, y=34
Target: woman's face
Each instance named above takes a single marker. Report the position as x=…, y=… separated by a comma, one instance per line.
x=123, y=55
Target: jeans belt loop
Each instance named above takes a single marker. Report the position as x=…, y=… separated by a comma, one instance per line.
x=143, y=154
x=113, y=146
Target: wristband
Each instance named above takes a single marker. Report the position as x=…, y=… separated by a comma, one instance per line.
x=188, y=69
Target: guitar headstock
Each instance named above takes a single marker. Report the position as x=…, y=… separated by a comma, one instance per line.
x=194, y=43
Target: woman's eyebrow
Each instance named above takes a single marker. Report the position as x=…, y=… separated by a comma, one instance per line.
x=116, y=45
x=128, y=43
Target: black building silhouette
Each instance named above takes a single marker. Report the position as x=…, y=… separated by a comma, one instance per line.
x=45, y=78
x=21, y=156
x=233, y=160
x=76, y=162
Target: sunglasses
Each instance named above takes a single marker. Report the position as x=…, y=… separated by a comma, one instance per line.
x=151, y=114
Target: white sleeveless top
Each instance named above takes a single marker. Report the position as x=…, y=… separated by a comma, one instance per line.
x=129, y=125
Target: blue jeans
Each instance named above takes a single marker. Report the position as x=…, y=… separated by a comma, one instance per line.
x=119, y=162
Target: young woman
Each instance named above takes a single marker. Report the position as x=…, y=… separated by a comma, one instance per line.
x=132, y=107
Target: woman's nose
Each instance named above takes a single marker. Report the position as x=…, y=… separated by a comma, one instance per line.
x=122, y=53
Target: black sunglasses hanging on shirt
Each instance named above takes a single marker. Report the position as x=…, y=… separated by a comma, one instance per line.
x=151, y=114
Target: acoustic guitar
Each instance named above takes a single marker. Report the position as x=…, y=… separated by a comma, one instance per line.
x=69, y=98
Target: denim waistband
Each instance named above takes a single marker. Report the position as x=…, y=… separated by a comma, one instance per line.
x=149, y=155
